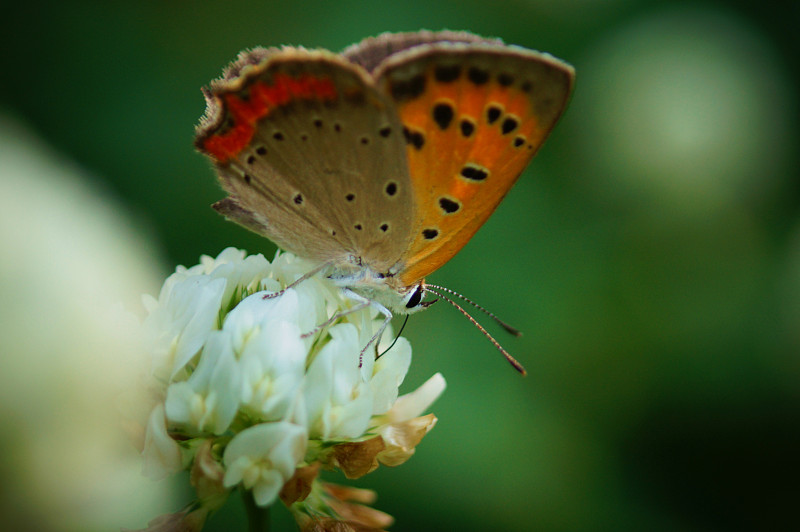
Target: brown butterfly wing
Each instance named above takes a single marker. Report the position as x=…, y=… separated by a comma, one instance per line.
x=312, y=156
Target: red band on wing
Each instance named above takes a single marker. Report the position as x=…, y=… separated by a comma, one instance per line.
x=245, y=113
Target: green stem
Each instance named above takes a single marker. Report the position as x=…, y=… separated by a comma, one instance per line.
x=257, y=517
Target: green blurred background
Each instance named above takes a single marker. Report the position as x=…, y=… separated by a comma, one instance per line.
x=651, y=253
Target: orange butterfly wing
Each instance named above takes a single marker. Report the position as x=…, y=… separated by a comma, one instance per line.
x=473, y=116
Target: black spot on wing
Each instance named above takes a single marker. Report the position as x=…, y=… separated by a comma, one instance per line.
x=443, y=114
x=505, y=79
x=447, y=73
x=408, y=89
x=467, y=127
x=478, y=76
x=448, y=205
x=493, y=113
x=509, y=124
x=473, y=172
x=415, y=138
x=430, y=233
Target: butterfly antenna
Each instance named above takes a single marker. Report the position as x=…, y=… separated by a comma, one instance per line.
x=513, y=330
x=513, y=361
x=396, y=336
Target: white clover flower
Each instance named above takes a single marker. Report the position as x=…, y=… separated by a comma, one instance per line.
x=264, y=457
x=209, y=399
x=180, y=322
x=272, y=382
x=338, y=399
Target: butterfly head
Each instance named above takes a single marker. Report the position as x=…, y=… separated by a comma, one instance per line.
x=413, y=299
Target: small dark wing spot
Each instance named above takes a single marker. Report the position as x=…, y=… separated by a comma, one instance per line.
x=358, y=227
x=474, y=172
x=277, y=136
x=384, y=227
x=261, y=150
x=384, y=132
x=350, y=197
x=298, y=199
x=467, y=127
x=505, y=79
x=355, y=97
x=477, y=76
x=443, y=114
x=526, y=86
x=337, y=127
x=408, y=89
x=430, y=234
x=447, y=73
x=247, y=178
x=493, y=112
x=364, y=140
x=251, y=159
x=519, y=141
x=303, y=137
x=391, y=188
x=509, y=125
x=318, y=122
x=415, y=138
x=448, y=205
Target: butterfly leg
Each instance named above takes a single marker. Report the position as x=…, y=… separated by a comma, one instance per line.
x=360, y=306
x=387, y=314
x=304, y=277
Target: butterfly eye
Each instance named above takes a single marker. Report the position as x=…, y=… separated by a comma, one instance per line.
x=416, y=297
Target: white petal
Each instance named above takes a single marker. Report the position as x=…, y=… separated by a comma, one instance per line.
x=318, y=385
x=225, y=386
x=390, y=371
x=413, y=404
x=162, y=456
x=181, y=398
x=264, y=457
x=197, y=301
x=289, y=451
x=338, y=402
x=273, y=363
x=354, y=416
x=259, y=440
x=254, y=311
x=209, y=400
x=267, y=489
x=345, y=350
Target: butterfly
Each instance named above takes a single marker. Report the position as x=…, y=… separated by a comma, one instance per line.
x=379, y=163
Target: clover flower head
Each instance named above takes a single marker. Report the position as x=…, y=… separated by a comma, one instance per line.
x=260, y=381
